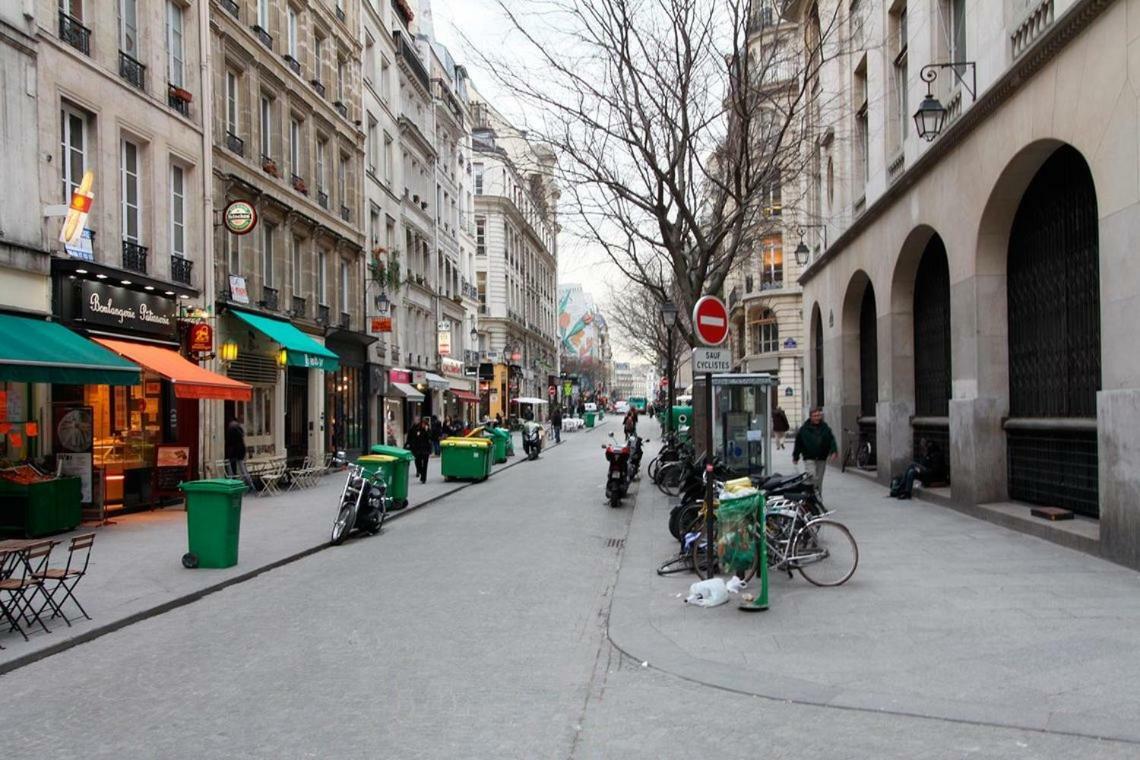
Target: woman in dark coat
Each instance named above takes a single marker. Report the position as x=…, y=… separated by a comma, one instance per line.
x=780, y=426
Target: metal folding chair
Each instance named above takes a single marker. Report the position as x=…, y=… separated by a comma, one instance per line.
x=67, y=578
x=271, y=479
x=22, y=585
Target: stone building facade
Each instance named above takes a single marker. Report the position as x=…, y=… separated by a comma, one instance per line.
x=976, y=287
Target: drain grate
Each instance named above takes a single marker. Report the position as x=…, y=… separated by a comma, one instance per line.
x=615, y=543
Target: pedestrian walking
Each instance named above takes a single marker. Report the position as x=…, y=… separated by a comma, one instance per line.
x=779, y=426
x=419, y=443
x=235, y=451
x=629, y=424
x=436, y=434
x=816, y=444
x=498, y=420
x=556, y=423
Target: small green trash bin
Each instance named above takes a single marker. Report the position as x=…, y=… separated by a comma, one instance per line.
x=589, y=419
x=501, y=441
x=400, y=473
x=465, y=458
x=213, y=522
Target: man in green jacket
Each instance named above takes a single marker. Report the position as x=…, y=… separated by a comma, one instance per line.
x=816, y=444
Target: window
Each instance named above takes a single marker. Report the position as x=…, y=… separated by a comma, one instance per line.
x=772, y=198
x=480, y=236
x=322, y=148
x=389, y=150
x=177, y=210
x=373, y=147
x=73, y=149
x=896, y=135
x=373, y=227
x=233, y=252
x=343, y=287
x=132, y=196
x=266, y=127
x=257, y=415
x=340, y=77
x=129, y=27
x=296, y=265
x=318, y=55
x=369, y=58
x=267, y=255
x=772, y=264
x=478, y=171
x=231, y=102
x=862, y=143
x=385, y=77
x=73, y=8
x=767, y=333
x=291, y=32
x=481, y=287
x=953, y=24
x=175, y=61
x=295, y=147
x=263, y=14
x=342, y=180
x=321, y=262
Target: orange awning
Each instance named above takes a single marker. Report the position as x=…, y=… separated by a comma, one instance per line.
x=190, y=380
x=467, y=396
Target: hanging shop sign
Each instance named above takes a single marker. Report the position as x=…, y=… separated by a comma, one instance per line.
x=200, y=338
x=443, y=338
x=75, y=221
x=451, y=366
x=83, y=248
x=240, y=217
x=400, y=376
x=238, y=291
x=122, y=309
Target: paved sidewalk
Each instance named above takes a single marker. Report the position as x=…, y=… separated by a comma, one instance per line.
x=136, y=564
x=946, y=617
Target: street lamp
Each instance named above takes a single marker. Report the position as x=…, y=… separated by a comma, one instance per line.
x=669, y=318
x=803, y=253
x=931, y=114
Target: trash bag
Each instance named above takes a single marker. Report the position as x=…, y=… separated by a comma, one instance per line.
x=736, y=545
x=708, y=593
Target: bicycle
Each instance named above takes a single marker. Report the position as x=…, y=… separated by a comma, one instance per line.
x=799, y=535
x=858, y=453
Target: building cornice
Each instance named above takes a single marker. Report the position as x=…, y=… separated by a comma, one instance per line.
x=1064, y=30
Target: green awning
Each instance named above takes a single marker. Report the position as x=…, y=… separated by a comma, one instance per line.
x=35, y=351
x=300, y=349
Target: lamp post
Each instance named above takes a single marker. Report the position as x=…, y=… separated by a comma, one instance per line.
x=669, y=318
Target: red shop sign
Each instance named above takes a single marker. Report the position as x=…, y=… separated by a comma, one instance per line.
x=201, y=338
x=400, y=376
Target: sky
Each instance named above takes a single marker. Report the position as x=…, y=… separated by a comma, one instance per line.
x=460, y=24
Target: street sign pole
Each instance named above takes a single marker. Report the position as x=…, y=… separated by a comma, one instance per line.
x=709, y=548
x=710, y=322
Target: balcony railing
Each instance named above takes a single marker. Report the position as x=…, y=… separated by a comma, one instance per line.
x=323, y=199
x=293, y=63
x=74, y=33
x=132, y=70
x=235, y=143
x=345, y=320
x=771, y=283
x=345, y=214
x=341, y=108
x=269, y=298
x=340, y=12
x=134, y=257
x=231, y=6
x=179, y=100
x=264, y=36
x=320, y=88
x=322, y=314
x=406, y=50
x=299, y=311
x=180, y=269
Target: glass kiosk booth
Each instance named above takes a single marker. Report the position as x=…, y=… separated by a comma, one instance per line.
x=742, y=421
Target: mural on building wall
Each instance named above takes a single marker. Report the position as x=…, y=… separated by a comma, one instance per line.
x=578, y=324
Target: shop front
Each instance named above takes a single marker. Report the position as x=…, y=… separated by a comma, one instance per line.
x=145, y=436
x=346, y=394
x=404, y=401
x=460, y=400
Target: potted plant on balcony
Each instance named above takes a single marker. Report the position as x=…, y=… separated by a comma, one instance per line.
x=181, y=94
x=269, y=166
x=394, y=273
x=300, y=186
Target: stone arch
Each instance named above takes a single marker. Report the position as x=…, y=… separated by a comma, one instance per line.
x=815, y=341
x=859, y=350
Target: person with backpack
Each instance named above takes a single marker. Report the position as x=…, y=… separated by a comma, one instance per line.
x=816, y=444
x=780, y=426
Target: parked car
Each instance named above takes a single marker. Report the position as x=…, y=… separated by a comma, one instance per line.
x=621, y=407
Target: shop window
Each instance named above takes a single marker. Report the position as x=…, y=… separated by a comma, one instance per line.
x=257, y=416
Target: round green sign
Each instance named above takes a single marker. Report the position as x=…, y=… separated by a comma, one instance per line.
x=240, y=217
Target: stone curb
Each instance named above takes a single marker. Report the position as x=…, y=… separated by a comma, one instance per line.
x=172, y=604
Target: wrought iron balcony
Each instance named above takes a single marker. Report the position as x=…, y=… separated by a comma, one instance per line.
x=345, y=320
x=231, y=6
x=345, y=214
x=235, y=143
x=134, y=257
x=320, y=88
x=322, y=314
x=405, y=49
x=299, y=311
x=180, y=269
x=265, y=37
x=341, y=108
x=269, y=298
x=74, y=33
x=293, y=63
x=132, y=70
x=179, y=100
x=340, y=12
x=771, y=283
x=323, y=199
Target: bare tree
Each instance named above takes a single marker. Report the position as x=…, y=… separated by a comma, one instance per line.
x=635, y=313
x=672, y=121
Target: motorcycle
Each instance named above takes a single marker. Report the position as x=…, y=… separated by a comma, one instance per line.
x=532, y=440
x=364, y=503
x=617, y=477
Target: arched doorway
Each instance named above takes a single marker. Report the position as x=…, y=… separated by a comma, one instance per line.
x=868, y=368
x=817, y=356
x=932, y=350
x=1053, y=293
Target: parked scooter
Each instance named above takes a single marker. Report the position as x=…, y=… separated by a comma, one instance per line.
x=635, y=448
x=617, y=477
x=364, y=503
x=532, y=439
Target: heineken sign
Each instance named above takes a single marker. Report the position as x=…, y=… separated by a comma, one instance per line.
x=240, y=217
x=123, y=309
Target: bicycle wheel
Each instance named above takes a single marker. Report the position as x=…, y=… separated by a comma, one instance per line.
x=654, y=466
x=670, y=482
x=700, y=559
x=825, y=553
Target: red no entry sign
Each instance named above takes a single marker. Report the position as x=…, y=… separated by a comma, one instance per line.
x=710, y=319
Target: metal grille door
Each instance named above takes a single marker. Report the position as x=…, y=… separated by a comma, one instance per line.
x=868, y=355
x=932, y=332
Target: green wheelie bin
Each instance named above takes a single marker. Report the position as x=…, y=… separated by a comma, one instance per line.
x=501, y=441
x=400, y=473
x=213, y=522
x=465, y=458
x=589, y=419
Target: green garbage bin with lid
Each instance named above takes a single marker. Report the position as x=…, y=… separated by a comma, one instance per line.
x=501, y=441
x=400, y=473
x=589, y=419
x=213, y=522
x=465, y=458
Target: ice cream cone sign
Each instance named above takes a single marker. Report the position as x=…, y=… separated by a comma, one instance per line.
x=77, y=211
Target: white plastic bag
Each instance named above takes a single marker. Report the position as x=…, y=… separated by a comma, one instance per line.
x=734, y=585
x=708, y=593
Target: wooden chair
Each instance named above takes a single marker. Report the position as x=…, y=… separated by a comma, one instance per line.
x=67, y=578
